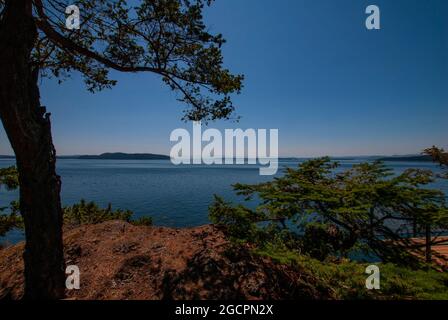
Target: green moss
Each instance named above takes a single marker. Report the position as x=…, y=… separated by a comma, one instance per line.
x=346, y=279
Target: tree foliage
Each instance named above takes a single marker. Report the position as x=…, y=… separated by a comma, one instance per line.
x=9, y=215
x=346, y=280
x=167, y=38
x=9, y=178
x=439, y=156
x=324, y=211
x=164, y=37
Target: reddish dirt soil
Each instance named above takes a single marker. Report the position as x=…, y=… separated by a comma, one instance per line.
x=120, y=261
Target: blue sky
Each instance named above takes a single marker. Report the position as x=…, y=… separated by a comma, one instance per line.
x=312, y=70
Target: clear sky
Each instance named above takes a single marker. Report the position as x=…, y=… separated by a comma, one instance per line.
x=312, y=70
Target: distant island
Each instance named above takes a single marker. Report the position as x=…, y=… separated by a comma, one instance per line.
x=125, y=156
x=415, y=158
x=110, y=156
x=151, y=156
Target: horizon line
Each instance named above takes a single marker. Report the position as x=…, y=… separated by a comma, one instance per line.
x=280, y=157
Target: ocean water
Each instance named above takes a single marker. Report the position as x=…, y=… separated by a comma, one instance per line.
x=174, y=196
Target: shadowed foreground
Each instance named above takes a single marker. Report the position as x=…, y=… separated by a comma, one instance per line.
x=120, y=261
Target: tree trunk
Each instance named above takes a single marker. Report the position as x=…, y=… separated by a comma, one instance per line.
x=29, y=132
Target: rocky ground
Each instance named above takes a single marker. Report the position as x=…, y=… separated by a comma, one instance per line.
x=120, y=261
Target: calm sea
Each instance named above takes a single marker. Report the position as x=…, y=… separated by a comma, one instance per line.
x=175, y=196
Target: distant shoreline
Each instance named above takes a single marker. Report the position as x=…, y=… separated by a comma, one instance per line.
x=110, y=156
x=420, y=158
x=124, y=156
x=151, y=156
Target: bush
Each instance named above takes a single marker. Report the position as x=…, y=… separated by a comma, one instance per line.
x=346, y=279
x=323, y=240
x=9, y=178
x=90, y=213
x=335, y=213
x=143, y=221
x=9, y=222
x=315, y=216
x=76, y=215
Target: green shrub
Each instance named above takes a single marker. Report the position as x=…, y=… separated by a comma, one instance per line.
x=76, y=215
x=346, y=279
x=143, y=221
x=9, y=179
x=9, y=222
x=314, y=216
x=90, y=213
x=338, y=212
